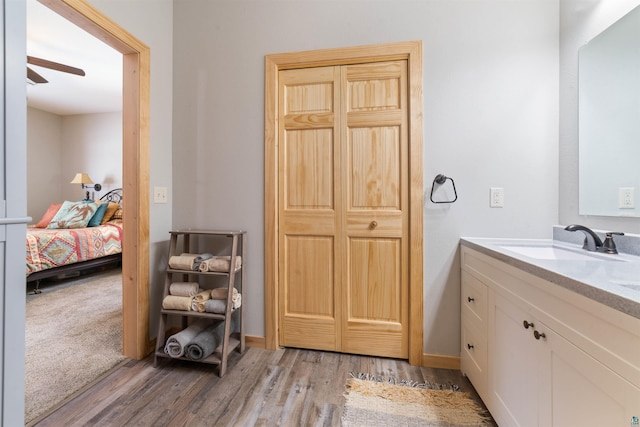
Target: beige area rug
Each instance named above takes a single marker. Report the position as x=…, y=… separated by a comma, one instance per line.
x=73, y=336
x=374, y=403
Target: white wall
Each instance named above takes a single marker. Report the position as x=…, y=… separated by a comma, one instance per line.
x=91, y=143
x=60, y=146
x=151, y=22
x=580, y=21
x=490, y=119
x=44, y=159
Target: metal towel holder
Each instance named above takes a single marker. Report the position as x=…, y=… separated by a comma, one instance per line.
x=441, y=179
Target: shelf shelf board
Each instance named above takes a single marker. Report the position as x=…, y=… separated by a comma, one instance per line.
x=214, y=358
x=201, y=273
x=203, y=315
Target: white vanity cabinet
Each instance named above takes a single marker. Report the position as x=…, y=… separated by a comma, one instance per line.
x=553, y=357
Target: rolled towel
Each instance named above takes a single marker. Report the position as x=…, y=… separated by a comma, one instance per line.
x=236, y=301
x=221, y=293
x=198, y=301
x=203, y=296
x=184, y=289
x=198, y=306
x=182, y=262
x=219, y=263
x=172, y=302
x=200, y=259
x=205, y=342
x=216, y=306
x=176, y=343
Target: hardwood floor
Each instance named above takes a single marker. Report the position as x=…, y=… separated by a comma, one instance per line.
x=288, y=387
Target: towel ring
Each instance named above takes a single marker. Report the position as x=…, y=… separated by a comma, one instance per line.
x=441, y=179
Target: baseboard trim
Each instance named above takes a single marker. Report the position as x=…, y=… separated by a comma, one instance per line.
x=256, y=342
x=428, y=360
x=439, y=361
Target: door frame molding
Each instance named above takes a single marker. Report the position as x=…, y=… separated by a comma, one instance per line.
x=135, y=166
x=410, y=51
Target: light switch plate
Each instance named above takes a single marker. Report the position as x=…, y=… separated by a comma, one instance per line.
x=496, y=197
x=159, y=194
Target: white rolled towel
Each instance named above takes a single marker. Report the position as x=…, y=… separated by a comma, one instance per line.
x=184, y=289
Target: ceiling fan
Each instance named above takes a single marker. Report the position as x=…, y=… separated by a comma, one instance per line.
x=37, y=78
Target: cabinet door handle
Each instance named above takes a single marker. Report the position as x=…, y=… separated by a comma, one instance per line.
x=527, y=325
x=373, y=224
x=469, y=346
x=470, y=299
x=539, y=335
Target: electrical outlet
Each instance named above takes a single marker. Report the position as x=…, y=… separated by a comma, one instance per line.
x=159, y=194
x=496, y=197
x=626, y=198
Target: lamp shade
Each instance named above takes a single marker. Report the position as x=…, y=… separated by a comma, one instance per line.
x=81, y=178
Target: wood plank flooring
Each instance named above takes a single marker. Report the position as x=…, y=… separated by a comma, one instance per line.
x=287, y=387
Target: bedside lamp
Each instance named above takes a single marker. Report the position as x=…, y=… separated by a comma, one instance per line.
x=84, y=180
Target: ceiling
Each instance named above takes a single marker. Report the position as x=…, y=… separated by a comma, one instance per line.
x=51, y=37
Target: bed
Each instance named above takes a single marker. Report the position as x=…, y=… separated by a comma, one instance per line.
x=53, y=252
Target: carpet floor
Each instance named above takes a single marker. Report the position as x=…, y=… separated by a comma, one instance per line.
x=73, y=336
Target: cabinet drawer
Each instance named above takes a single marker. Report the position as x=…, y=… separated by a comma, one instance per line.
x=473, y=354
x=473, y=295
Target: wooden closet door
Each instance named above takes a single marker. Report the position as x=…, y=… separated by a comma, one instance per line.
x=343, y=209
x=374, y=150
x=309, y=208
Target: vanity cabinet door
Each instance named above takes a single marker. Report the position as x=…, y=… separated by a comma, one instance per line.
x=473, y=354
x=583, y=391
x=516, y=360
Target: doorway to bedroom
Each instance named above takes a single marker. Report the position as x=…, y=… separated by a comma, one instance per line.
x=135, y=166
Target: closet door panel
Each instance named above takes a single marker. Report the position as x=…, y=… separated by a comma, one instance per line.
x=309, y=272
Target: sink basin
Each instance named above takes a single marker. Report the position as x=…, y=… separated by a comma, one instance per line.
x=557, y=253
x=629, y=284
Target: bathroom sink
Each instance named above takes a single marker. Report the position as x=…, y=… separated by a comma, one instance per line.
x=552, y=252
x=629, y=284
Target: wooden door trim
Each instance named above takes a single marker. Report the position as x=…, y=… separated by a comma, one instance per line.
x=410, y=51
x=135, y=166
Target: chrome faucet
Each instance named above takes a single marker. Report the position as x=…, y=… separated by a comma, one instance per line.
x=592, y=242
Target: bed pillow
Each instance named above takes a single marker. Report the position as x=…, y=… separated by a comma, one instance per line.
x=117, y=214
x=48, y=215
x=111, y=209
x=73, y=215
x=96, y=219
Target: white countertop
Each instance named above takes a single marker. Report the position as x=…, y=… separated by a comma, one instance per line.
x=613, y=281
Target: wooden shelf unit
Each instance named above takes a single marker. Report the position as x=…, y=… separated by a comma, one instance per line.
x=231, y=340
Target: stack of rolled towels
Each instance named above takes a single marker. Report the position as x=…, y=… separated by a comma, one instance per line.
x=188, y=296
x=197, y=341
x=202, y=262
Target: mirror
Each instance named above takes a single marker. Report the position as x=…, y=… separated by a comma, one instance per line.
x=609, y=120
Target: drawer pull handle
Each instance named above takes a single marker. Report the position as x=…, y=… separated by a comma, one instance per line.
x=373, y=224
x=470, y=299
x=526, y=324
x=539, y=335
x=469, y=346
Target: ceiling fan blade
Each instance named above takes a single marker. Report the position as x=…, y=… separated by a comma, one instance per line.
x=54, y=66
x=35, y=77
